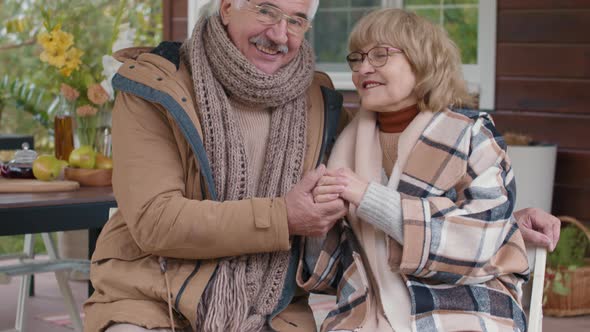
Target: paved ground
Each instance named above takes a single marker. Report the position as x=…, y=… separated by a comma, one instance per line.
x=48, y=302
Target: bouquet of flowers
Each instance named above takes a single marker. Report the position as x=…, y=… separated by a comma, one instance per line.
x=74, y=36
x=86, y=90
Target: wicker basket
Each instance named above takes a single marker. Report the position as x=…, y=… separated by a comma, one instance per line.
x=577, y=302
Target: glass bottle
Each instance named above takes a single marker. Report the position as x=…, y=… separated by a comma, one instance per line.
x=64, y=129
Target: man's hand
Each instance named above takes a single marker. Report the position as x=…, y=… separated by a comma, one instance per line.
x=538, y=227
x=307, y=218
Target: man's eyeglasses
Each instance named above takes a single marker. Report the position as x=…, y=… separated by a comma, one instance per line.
x=377, y=57
x=270, y=15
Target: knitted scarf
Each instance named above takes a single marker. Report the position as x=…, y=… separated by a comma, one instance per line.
x=246, y=289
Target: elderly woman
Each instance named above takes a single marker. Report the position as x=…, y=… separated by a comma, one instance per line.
x=431, y=195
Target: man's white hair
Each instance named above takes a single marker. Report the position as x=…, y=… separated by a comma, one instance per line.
x=212, y=8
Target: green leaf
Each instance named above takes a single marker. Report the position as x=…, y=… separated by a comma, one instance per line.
x=560, y=289
x=571, y=248
x=558, y=276
x=26, y=97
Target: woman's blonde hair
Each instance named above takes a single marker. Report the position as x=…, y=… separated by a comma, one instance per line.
x=434, y=57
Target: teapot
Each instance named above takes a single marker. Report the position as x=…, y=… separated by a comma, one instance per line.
x=21, y=167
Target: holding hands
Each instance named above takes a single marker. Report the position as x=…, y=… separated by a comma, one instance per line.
x=308, y=217
x=340, y=183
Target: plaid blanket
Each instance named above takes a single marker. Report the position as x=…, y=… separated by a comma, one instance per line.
x=463, y=260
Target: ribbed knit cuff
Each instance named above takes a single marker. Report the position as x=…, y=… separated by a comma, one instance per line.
x=381, y=207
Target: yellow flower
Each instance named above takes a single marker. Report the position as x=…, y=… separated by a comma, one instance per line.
x=66, y=72
x=72, y=61
x=56, y=49
x=45, y=39
x=73, y=56
x=62, y=39
x=54, y=56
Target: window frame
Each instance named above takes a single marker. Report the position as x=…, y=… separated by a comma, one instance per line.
x=480, y=76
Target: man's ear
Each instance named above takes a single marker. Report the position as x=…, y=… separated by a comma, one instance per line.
x=225, y=10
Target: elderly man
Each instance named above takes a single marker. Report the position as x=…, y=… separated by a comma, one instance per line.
x=211, y=140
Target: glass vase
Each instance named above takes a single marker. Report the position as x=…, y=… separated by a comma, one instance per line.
x=103, y=141
x=103, y=138
x=86, y=135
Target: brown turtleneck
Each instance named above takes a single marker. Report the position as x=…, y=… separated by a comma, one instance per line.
x=396, y=121
x=391, y=125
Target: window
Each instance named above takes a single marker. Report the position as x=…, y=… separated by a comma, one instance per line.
x=458, y=17
x=471, y=24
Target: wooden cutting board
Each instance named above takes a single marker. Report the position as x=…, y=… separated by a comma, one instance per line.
x=35, y=186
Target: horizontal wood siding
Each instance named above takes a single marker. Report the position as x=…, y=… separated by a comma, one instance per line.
x=573, y=168
x=572, y=201
x=550, y=60
x=568, y=132
x=543, y=4
x=543, y=88
x=544, y=26
x=175, y=19
x=541, y=94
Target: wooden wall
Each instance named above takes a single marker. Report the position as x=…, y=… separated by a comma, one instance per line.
x=543, y=87
x=542, y=84
x=175, y=19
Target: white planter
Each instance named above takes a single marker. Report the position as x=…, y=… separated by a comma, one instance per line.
x=534, y=170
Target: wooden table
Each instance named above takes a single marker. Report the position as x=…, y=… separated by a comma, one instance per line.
x=85, y=208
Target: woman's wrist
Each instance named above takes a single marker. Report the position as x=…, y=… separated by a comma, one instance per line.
x=381, y=207
x=355, y=191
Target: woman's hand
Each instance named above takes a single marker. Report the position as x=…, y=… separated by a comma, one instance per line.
x=343, y=183
x=329, y=188
x=538, y=227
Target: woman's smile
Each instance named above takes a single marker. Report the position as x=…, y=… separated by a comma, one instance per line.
x=369, y=84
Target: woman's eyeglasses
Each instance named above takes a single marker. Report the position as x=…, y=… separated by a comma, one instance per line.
x=377, y=57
